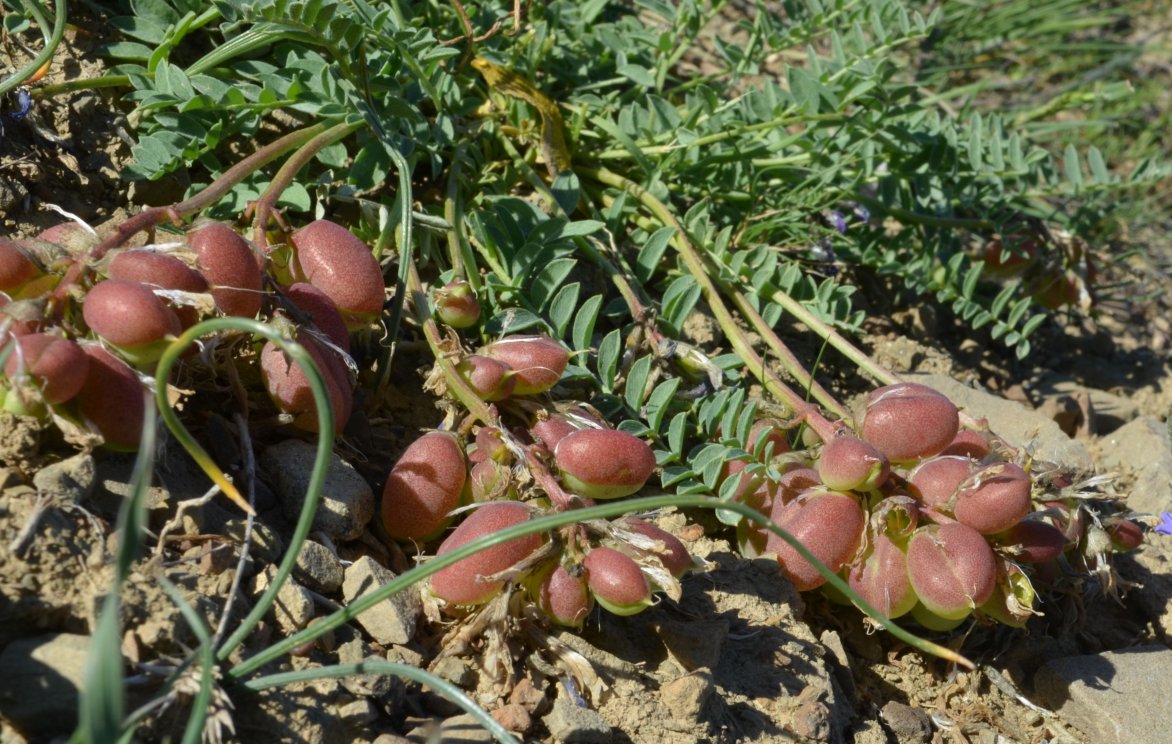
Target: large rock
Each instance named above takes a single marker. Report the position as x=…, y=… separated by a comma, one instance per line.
x=1015, y=423
x=347, y=502
x=39, y=682
x=1116, y=697
x=1142, y=448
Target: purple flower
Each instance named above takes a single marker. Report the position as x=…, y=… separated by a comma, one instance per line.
x=838, y=220
x=1165, y=525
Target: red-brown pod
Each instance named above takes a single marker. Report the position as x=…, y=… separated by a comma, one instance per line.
x=230, y=266
x=334, y=260
x=128, y=314
x=57, y=365
x=112, y=399
x=994, y=498
x=425, y=485
x=908, y=421
x=289, y=387
x=464, y=582
x=828, y=523
x=564, y=598
x=616, y=581
x=17, y=267
x=322, y=312
x=538, y=361
x=951, y=567
x=604, y=463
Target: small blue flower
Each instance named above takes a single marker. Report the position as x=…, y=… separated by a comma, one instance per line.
x=1165, y=525
x=838, y=220
x=24, y=102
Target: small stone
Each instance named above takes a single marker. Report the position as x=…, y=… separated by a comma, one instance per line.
x=72, y=478
x=529, y=696
x=391, y=621
x=40, y=682
x=347, y=502
x=1116, y=697
x=573, y=724
x=293, y=608
x=686, y=696
x=357, y=713
x=909, y=725
x=454, y=670
x=318, y=568
x=513, y=717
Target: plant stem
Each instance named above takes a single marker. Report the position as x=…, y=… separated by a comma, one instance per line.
x=284, y=176
x=824, y=330
x=153, y=216
x=51, y=43
x=695, y=265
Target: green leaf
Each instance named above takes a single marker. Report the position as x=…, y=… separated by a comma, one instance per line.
x=608, y=358
x=562, y=307
x=141, y=28
x=551, y=276
x=637, y=74
x=637, y=382
x=1072, y=166
x=675, y=433
x=651, y=254
x=566, y=190
x=659, y=401
x=584, y=323
x=511, y=320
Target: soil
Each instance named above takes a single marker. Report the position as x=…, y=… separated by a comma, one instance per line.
x=740, y=657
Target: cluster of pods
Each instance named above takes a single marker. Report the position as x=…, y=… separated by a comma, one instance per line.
x=572, y=455
x=920, y=515
x=81, y=326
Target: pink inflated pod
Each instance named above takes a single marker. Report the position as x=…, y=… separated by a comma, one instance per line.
x=603, y=463
x=337, y=262
x=908, y=421
x=952, y=568
x=538, y=361
x=829, y=524
x=426, y=483
x=467, y=581
x=848, y=463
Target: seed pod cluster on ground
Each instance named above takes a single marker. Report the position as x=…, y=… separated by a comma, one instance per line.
x=921, y=516
x=551, y=456
x=95, y=321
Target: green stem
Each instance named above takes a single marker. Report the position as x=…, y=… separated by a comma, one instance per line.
x=456, y=384
x=695, y=265
x=325, y=445
x=288, y=171
x=69, y=86
x=24, y=73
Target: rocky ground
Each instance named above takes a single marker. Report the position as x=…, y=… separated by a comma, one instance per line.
x=740, y=657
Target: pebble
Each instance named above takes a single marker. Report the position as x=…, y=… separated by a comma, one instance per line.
x=1116, y=697
x=686, y=696
x=53, y=666
x=293, y=607
x=568, y=722
x=1143, y=448
x=909, y=724
x=347, y=502
x=72, y=478
x=391, y=621
x=514, y=718
x=318, y=568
